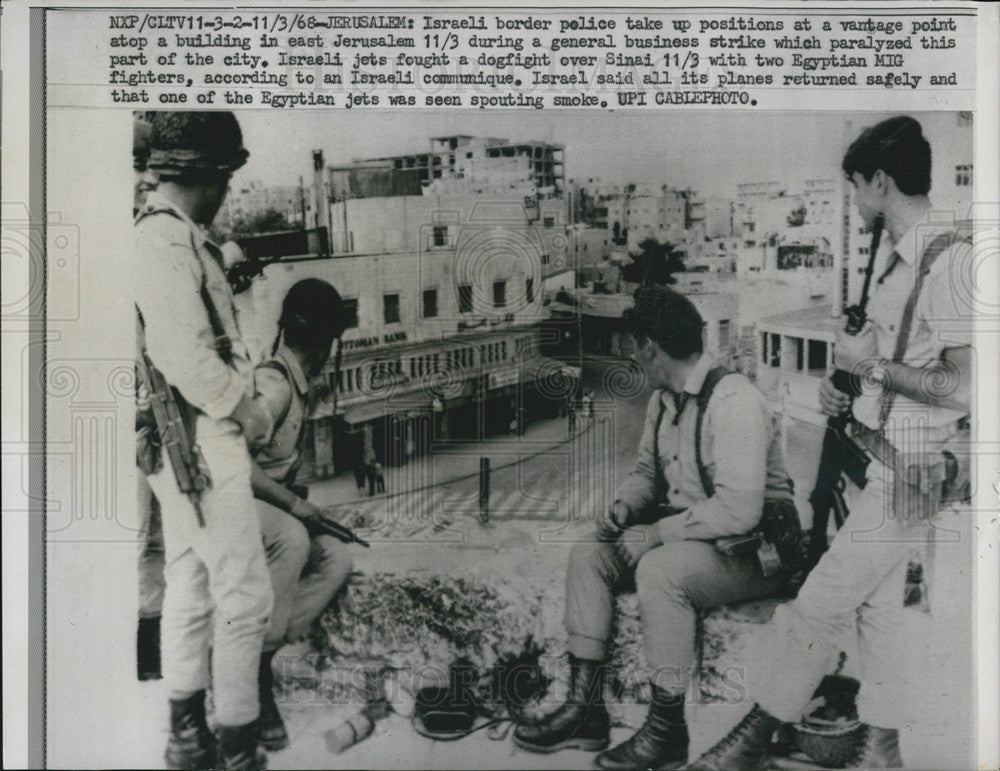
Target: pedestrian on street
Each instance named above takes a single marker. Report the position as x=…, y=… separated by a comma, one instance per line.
x=218, y=592
x=902, y=422
x=359, y=477
x=370, y=476
x=379, y=477
x=571, y=419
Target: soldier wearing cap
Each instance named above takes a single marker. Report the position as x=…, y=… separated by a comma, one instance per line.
x=151, y=583
x=218, y=589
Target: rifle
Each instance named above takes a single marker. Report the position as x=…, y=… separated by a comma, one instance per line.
x=186, y=459
x=840, y=456
x=325, y=525
x=241, y=275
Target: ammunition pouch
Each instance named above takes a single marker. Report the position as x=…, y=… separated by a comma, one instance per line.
x=776, y=542
x=923, y=482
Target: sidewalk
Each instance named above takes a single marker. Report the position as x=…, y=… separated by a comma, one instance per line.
x=449, y=462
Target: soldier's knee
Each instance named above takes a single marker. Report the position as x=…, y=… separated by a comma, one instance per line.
x=662, y=568
x=334, y=556
x=296, y=539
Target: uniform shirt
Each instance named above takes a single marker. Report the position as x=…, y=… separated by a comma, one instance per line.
x=275, y=393
x=174, y=254
x=741, y=450
x=933, y=330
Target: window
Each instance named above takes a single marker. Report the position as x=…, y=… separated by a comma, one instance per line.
x=350, y=313
x=963, y=175
x=499, y=294
x=545, y=257
x=465, y=298
x=529, y=289
x=391, y=308
x=430, y=303
x=723, y=334
x=440, y=235
x=775, y=350
x=817, y=355
x=550, y=222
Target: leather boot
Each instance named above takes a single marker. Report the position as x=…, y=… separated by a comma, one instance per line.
x=191, y=744
x=238, y=750
x=273, y=734
x=148, y=649
x=745, y=748
x=581, y=723
x=879, y=749
x=662, y=742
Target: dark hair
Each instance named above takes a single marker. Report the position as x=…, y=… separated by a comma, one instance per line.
x=898, y=147
x=311, y=315
x=668, y=318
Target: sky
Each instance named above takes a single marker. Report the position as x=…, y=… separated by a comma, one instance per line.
x=709, y=151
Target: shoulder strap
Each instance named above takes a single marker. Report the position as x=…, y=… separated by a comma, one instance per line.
x=934, y=249
x=223, y=343
x=657, y=469
x=704, y=396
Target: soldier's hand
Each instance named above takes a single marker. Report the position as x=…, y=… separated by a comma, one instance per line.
x=851, y=350
x=614, y=519
x=636, y=541
x=831, y=401
x=254, y=420
x=303, y=509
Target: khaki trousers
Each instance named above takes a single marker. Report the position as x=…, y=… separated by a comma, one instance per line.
x=673, y=581
x=218, y=591
x=856, y=590
x=305, y=574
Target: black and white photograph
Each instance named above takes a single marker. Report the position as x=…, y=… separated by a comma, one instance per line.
x=508, y=438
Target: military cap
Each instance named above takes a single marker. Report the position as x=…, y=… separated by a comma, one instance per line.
x=185, y=144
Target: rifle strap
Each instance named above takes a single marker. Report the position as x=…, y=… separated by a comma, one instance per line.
x=937, y=246
x=223, y=342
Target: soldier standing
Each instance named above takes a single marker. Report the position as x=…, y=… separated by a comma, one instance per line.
x=908, y=349
x=218, y=590
x=151, y=584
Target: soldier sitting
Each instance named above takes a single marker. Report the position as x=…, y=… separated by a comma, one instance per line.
x=660, y=532
x=306, y=572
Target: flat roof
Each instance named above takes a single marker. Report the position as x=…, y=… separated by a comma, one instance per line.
x=814, y=322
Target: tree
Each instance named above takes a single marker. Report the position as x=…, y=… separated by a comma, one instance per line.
x=797, y=217
x=654, y=263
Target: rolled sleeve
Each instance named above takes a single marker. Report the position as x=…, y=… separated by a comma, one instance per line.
x=639, y=487
x=272, y=392
x=736, y=421
x=179, y=336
